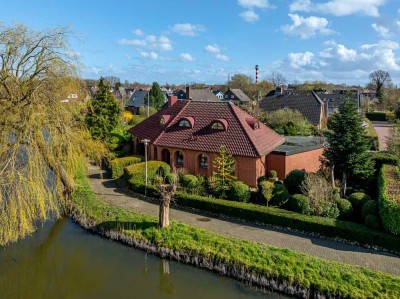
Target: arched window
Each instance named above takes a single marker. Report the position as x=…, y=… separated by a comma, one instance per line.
x=179, y=158
x=217, y=126
x=162, y=121
x=203, y=161
x=184, y=123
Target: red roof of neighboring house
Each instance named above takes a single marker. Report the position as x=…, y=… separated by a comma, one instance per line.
x=240, y=138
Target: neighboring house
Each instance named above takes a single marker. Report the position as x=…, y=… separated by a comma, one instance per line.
x=306, y=102
x=180, y=94
x=218, y=94
x=236, y=96
x=332, y=101
x=137, y=100
x=189, y=134
x=200, y=95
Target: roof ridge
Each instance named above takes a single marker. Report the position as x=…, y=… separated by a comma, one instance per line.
x=242, y=126
x=317, y=97
x=173, y=119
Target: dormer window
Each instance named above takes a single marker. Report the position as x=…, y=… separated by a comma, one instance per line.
x=162, y=122
x=219, y=125
x=184, y=123
x=164, y=119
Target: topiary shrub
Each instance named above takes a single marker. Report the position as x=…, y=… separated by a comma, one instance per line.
x=171, y=178
x=372, y=221
x=189, y=182
x=265, y=190
x=117, y=165
x=370, y=207
x=136, y=178
x=345, y=208
x=357, y=201
x=273, y=174
x=294, y=180
x=280, y=195
x=300, y=204
x=239, y=191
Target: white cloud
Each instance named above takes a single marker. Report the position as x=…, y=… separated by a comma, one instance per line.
x=340, y=7
x=186, y=57
x=381, y=30
x=253, y=3
x=132, y=42
x=187, y=29
x=149, y=55
x=222, y=57
x=346, y=54
x=214, y=49
x=398, y=24
x=151, y=38
x=137, y=32
x=306, y=27
x=297, y=60
x=249, y=16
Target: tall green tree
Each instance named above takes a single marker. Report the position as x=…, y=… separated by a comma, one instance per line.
x=348, y=146
x=156, y=96
x=380, y=79
x=224, y=166
x=103, y=112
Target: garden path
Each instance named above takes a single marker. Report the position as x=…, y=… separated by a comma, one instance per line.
x=109, y=191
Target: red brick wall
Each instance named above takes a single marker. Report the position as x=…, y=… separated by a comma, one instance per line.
x=309, y=161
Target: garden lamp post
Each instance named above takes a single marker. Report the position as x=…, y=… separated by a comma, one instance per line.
x=146, y=143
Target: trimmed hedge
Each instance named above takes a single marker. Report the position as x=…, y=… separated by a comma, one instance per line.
x=117, y=165
x=376, y=116
x=275, y=216
x=382, y=158
x=358, y=199
x=189, y=181
x=372, y=221
x=280, y=195
x=136, y=178
x=300, y=204
x=389, y=198
x=294, y=180
x=239, y=191
x=370, y=208
x=345, y=208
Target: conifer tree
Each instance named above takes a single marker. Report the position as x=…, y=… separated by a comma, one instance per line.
x=348, y=146
x=103, y=112
x=156, y=96
x=224, y=165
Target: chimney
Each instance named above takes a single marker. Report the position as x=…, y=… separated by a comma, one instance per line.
x=187, y=93
x=279, y=90
x=172, y=100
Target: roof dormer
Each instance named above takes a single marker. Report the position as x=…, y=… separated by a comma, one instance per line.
x=164, y=119
x=186, y=122
x=253, y=123
x=219, y=124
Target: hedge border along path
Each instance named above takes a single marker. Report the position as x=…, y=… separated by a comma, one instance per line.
x=274, y=216
x=389, y=198
x=277, y=269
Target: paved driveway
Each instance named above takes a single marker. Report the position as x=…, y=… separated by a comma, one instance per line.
x=382, y=128
x=109, y=191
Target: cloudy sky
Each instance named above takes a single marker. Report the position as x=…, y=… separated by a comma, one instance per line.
x=180, y=41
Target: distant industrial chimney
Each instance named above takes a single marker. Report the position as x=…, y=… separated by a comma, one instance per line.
x=256, y=73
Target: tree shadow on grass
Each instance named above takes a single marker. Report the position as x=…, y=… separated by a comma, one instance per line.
x=127, y=225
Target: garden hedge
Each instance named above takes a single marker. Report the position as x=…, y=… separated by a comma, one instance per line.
x=376, y=116
x=300, y=204
x=239, y=191
x=275, y=216
x=382, y=158
x=136, y=178
x=389, y=198
x=117, y=165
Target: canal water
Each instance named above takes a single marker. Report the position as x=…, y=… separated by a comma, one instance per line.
x=62, y=260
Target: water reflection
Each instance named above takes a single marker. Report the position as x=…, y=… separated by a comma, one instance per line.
x=62, y=260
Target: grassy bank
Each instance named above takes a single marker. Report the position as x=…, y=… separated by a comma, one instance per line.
x=289, y=269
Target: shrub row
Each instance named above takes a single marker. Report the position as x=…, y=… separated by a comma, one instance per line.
x=382, y=158
x=135, y=175
x=275, y=216
x=117, y=165
x=376, y=116
x=389, y=198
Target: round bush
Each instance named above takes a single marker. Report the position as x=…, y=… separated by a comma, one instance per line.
x=330, y=210
x=189, y=181
x=372, y=221
x=239, y=191
x=357, y=200
x=300, y=204
x=273, y=174
x=345, y=208
x=171, y=178
x=294, y=180
x=370, y=208
x=280, y=195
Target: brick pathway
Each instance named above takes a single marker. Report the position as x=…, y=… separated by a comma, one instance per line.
x=109, y=191
x=382, y=129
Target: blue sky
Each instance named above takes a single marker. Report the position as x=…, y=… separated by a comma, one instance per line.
x=180, y=42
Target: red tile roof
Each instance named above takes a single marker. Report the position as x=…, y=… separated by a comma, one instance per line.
x=240, y=138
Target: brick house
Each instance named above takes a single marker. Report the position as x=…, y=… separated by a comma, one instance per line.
x=237, y=96
x=189, y=134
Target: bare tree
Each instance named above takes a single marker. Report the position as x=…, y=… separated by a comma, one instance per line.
x=42, y=142
x=380, y=79
x=167, y=193
x=277, y=79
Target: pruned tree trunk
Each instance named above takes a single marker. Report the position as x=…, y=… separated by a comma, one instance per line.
x=333, y=176
x=163, y=218
x=343, y=185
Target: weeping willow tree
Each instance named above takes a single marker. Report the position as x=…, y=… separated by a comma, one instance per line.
x=42, y=142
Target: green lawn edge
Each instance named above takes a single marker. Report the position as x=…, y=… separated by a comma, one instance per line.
x=296, y=269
